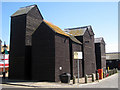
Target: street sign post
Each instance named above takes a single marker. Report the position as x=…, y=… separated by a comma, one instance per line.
x=77, y=56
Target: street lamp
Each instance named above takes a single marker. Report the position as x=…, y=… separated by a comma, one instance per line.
x=4, y=47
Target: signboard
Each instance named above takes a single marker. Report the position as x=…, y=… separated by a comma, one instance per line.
x=77, y=55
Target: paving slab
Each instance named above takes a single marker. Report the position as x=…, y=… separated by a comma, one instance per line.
x=50, y=84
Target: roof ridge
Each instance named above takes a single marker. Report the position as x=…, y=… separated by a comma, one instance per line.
x=23, y=10
x=56, y=28
x=79, y=27
x=60, y=31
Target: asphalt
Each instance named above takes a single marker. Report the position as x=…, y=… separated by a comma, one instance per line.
x=108, y=82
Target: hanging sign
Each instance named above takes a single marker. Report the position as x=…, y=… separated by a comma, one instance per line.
x=77, y=55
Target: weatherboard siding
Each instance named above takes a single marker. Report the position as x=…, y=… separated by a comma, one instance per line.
x=22, y=27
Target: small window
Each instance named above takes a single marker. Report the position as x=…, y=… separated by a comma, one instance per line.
x=86, y=41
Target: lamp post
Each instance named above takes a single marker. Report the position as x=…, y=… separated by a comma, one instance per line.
x=4, y=47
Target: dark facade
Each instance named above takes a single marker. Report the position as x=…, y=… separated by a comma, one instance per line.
x=50, y=52
x=0, y=46
x=23, y=23
x=40, y=51
x=74, y=47
x=86, y=36
x=113, y=60
x=100, y=53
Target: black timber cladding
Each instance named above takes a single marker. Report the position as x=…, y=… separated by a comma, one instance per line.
x=100, y=53
x=46, y=39
x=62, y=55
x=39, y=48
x=23, y=23
x=86, y=36
x=75, y=47
x=43, y=54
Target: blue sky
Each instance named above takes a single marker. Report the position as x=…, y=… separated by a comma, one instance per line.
x=102, y=16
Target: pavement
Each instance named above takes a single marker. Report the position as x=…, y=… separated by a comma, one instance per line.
x=108, y=82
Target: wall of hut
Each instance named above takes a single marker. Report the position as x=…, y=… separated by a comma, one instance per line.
x=62, y=55
x=100, y=55
x=50, y=51
x=103, y=55
x=22, y=27
x=89, y=62
x=17, y=47
x=74, y=64
x=43, y=54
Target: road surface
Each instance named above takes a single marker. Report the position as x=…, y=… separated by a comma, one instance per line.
x=109, y=82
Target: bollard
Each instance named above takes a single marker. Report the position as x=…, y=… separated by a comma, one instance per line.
x=103, y=74
x=74, y=78
x=108, y=68
x=112, y=72
x=109, y=72
x=116, y=70
x=4, y=75
x=86, y=78
x=96, y=73
x=93, y=77
x=97, y=76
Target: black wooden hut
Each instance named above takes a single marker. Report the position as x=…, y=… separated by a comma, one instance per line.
x=100, y=53
x=75, y=46
x=51, y=52
x=23, y=23
x=86, y=36
x=40, y=50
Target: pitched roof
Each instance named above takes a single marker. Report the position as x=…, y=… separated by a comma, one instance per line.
x=79, y=31
x=74, y=39
x=99, y=40
x=55, y=28
x=60, y=31
x=23, y=10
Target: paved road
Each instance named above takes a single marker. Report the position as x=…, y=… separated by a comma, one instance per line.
x=110, y=82
x=12, y=86
x=9, y=86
